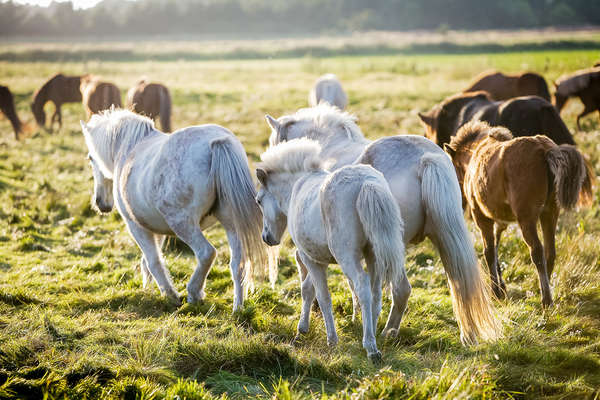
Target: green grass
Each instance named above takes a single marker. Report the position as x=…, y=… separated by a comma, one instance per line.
x=75, y=321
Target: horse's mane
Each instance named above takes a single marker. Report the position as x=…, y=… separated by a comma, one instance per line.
x=473, y=130
x=326, y=117
x=114, y=131
x=296, y=155
x=566, y=85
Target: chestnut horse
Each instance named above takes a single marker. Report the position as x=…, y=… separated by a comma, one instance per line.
x=524, y=179
x=152, y=100
x=523, y=116
x=59, y=89
x=7, y=106
x=584, y=84
x=98, y=95
x=504, y=87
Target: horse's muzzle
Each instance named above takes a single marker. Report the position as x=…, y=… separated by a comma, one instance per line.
x=104, y=208
x=268, y=239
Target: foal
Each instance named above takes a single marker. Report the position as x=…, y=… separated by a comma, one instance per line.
x=340, y=217
x=525, y=179
x=177, y=185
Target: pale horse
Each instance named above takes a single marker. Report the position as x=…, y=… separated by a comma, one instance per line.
x=328, y=89
x=177, y=185
x=423, y=182
x=340, y=217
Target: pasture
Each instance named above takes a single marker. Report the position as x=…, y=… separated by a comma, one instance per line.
x=75, y=321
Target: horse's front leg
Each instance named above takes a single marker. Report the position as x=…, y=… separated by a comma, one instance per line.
x=486, y=227
x=317, y=273
x=307, y=291
x=146, y=241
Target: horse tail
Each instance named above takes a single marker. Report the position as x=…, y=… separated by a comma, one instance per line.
x=9, y=110
x=164, y=101
x=573, y=176
x=384, y=228
x=470, y=294
x=235, y=190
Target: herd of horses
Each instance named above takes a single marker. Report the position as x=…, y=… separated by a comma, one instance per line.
x=151, y=99
x=500, y=151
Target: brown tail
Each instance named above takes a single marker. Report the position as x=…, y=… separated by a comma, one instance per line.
x=165, y=109
x=573, y=176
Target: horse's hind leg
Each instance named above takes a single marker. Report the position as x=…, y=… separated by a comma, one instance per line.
x=375, y=289
x=146, y=240
x=400, y=293
x=588, y=109
x=548, y=221
x=235, y=265
x=146, y=275
x=307, y=291
x=536, y=250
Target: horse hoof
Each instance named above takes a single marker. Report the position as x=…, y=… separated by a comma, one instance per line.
x=390, y=333
x=332, y=342
x=376, y=358
x=297, y=339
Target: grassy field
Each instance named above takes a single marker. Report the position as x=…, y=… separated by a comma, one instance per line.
x=75, y=321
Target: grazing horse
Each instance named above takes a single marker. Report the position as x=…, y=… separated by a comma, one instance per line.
x=59, y=89
x=328, y=89
x=523, y=116
x=98, y=96
x=152, y=100
x=7, y=106
x=424, y=185
x=584, y=84
x=340, y=217
x=504, y=87
x=522, y=179
x=177, y=185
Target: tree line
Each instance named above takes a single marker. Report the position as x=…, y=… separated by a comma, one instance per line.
x=233, y=18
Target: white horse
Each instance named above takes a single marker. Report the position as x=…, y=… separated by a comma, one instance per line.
x=328, y=89
x=177, y=184
x=424, y=184
x=340, y=217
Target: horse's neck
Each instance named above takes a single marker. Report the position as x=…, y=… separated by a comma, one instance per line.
x=342, y=150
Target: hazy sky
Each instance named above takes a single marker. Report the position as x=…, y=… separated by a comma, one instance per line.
x=76, y=3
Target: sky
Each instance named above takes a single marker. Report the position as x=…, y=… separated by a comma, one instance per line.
x=45, y=3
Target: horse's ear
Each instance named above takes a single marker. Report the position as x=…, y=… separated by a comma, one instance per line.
x=273, y=123
x=449, y=149
x=428, y=120
x=261, y=174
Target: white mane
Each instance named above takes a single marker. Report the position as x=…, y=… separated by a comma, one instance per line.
x=326, y=117
x=297, y=155
x=114, y=131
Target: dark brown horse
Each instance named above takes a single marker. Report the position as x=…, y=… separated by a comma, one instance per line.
x=584, y=84
x=152, y=100
x=98, y=96
x=7, y=106
x=504, y=87
x=59, y=89
x=524, y=179
x=523, y=116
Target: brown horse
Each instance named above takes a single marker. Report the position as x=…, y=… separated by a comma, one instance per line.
x=584, y=84
x=98, y=96
x=523, y=179
x=59, y=89
x=504, y=87
x=523, y=116
x=7, y=106
x=152, y=100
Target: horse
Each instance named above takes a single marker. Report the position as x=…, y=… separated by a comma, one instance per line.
x=523, y=116
x=584, y=84
x=7, y=106
x=152, y=100
x=339, y=217
x=98, y=96
x=424, y=185
x=503, y=87
x=522, y=179
x=59, y=89
x=177, y=185
x=328, y=89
